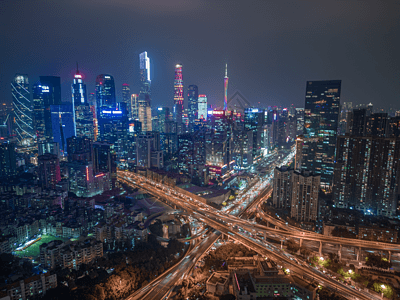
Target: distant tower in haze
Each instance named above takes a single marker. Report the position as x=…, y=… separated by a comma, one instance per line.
x=226, y=79
x=83, y=117
x=193, y=97
x=178, y=97
x=144, y=102
x=23, y=109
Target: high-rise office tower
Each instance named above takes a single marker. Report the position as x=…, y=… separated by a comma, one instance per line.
x=83, y=116
x=62, y=124
x=49, y=170
x=254, y=121
x=193, y=98
x=134, y=107
x=202, y=107
x=219, y=144
x=148, y=153
x=126, y=93
x=163, y=117
x=105, y=91
x=367, y=175
x=104, y=160
x=8, y=159
x=321, y=114
x=304, y=202
x=113, y=127
x=178, y=97
x=226, y=79
x=23, y=109
x=144, y=102
x=46, y=92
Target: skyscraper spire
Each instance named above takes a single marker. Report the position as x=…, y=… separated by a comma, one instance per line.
x=226, y=88
x=77, y=69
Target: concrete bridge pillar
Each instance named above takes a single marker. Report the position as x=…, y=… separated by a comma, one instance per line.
x=301, y=242
x=390, y=256
x=340, y=252
x=265, y=235
x=320, y=248
x=281, y=244
x=358, y=252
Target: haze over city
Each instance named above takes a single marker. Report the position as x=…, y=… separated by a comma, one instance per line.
x=271, y=47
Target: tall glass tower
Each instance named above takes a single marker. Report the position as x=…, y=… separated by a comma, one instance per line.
x=144, y=102
x=83, y=117
x=126, y=97
x=178, y=97
x=105, y=91
x=202, y=107
x=23, y=109
x=321, y=119
x=46, y=92
x=193, y=98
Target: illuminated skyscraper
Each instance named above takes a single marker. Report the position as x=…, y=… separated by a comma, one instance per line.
x=144, y=102
x=226, y=79
x=321, y=114
x=83, y=116
x=126, y=97
x=46, y=92
x=23, y=109
x=202, y=107
x=178, y=97
x=105, y=91
x=193, y=97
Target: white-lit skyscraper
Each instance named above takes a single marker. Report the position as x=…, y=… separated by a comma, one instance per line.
x=144, y=103
x=83, y=116
x=202, y=107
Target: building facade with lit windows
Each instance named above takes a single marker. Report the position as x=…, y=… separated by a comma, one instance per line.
x=105, y=91
x=178, y=98
x=367, y=174
x=202, y=107
x=46, y=92
x=304, y=202
x=321, y=119
x=83, y=116
x=144, y=99
x=219, y=144
x=193, y=98
x=23, y=109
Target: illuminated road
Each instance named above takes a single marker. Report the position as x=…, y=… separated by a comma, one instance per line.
x=214, y=219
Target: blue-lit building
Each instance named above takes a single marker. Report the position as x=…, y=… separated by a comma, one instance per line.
x=23, y=109
x=46, y=92
x=62, y=124
x=105, y=91
x=113, y=127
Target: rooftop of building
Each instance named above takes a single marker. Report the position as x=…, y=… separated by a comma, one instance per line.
x=218, y=277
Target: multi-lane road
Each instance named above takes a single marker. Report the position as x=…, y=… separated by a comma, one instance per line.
x=216, y=220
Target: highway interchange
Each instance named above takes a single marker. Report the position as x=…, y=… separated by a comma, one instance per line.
x=222, y=221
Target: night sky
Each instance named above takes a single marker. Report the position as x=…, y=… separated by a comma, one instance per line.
x=272, y=47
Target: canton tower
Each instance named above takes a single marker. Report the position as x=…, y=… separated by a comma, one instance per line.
x=178, y=97
x=226, y=88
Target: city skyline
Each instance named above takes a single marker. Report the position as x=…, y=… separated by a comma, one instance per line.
x=361, y=58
